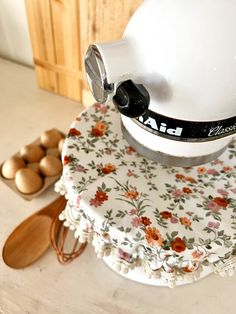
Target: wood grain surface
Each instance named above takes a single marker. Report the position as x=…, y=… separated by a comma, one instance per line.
x=41, y=34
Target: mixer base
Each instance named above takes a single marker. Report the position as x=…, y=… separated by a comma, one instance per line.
x=166, y=159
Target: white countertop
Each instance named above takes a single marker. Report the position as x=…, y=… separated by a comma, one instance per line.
x=86, y=285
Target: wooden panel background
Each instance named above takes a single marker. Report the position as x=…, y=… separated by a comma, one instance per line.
x=41, y=34
x=61, y=31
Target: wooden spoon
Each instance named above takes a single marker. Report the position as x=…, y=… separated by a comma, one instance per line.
x=31, y=238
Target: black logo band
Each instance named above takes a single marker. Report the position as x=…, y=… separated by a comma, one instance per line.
x=182, y=130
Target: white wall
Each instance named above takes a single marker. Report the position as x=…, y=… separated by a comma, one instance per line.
x=14, y=34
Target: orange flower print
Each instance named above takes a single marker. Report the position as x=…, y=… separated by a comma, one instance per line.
x=187, y=190
x=201, y=170
x=132, y=194
x=67, y=160
x=108, y=168
x=105, y=235
x=165, y=214
x=227, y=168
x=153, y=236
x=185, y=221
x=99, y=129
x=178, y=245
x=145, y=221
x=191, y=179
x=197, y=254
x=222, y=202
x=188, y=269
x=101, y=196
x=74, y=132
x=130, y=150
x=180, y=176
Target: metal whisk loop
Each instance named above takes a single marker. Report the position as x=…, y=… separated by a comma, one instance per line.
x=58, y=236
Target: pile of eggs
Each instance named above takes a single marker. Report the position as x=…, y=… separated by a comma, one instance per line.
x=35, y=162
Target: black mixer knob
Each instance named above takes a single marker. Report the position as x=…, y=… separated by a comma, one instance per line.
x=132, y=100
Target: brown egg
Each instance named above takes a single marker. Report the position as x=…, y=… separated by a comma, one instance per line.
x=60, y=144
x=50, y=138
x=50, y=166
x=27, y=181
x=11, y=166
x=53, y=152
x=32, y=153
x=34, y=166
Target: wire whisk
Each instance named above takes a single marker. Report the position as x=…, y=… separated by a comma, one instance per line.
x=66, y=251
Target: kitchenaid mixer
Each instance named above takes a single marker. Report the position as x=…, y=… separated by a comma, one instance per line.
x=173, y=78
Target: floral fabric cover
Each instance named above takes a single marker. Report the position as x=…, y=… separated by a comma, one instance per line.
x=170, y=220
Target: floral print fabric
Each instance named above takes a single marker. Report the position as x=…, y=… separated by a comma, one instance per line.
x=168, y=217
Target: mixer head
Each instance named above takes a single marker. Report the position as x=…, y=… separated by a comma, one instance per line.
x=173, y=78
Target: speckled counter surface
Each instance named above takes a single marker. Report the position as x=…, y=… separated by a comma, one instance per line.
x=86, y=285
